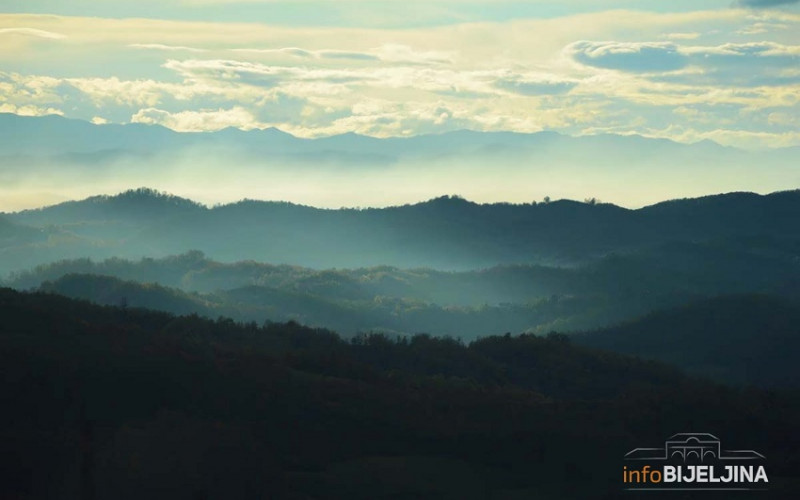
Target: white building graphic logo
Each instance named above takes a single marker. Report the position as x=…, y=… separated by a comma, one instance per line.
x=694, y=461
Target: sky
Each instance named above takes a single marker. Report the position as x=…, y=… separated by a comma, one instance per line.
x=728, y=71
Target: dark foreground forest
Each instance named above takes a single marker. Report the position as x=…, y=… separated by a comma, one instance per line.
x=115, y=402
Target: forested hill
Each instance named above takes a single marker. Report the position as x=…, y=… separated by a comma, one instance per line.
x=125, y=403
x=744, y=339
x=736, y=339
x=443, y=233
x=507, y=298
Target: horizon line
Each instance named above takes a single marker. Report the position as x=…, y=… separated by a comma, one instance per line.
x=152, y=192
x=389, y=137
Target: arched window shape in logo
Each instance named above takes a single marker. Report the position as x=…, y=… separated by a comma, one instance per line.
x=692, y=447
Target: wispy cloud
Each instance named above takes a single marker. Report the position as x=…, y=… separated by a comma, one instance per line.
x=159, y=46
x=32, y=32
x=391, y=53
x=629, y=56
x=622, y=71
x=681, y=36
x=766, y=3
x=535, y=84
x=738, y=64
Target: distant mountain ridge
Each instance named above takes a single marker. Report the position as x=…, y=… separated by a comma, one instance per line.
x=70, y=140
x=25, y=134
x=56, y=157
x=509, y=297
x=444, y=233
x=744, y=339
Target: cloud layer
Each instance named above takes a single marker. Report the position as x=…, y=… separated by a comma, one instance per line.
x=729, y=75
x=767, y=3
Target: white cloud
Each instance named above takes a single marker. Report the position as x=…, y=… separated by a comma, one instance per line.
x=535, y=84
x=783, y=118
x=681, y=36
x=159, y=46
x=748, y=64
x=749, y=49
x=32, y=32
x=387, y=53
x=28, y=110
x=399, y=53
x=628, y=74
x=197, y=121
x=745, y=139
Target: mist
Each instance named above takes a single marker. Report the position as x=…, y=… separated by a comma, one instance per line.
x=219, y=175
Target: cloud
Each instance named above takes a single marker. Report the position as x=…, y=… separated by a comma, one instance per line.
x=28, y=110
x=310, y=54
x=388, y=53
x=628, y=56
x=231, y=72
x=681, y=36
x=733, y=64
x=32, y=32
x=744, y=64
x=33, y=95
x=784, y=119
x=158, y=46
x=763, y=4
x=332, y=81
x=751, y=49
x=523, y=75
x=761, y=27
x=532, y=85
x=106, y=91
x=399, y=53
x=197, y=121
x=745, y=139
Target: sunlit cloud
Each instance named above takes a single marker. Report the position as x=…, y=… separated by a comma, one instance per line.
x=621, y=71
x=197, y=121
x=159, y=46
x=32, y=32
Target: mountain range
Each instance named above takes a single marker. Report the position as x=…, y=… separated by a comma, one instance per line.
x=447, y=233
x=55, y=135
x=55, y=158
x=73, y=141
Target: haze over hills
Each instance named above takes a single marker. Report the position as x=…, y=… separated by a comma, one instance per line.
x=49, y=159
x=561, y=265
x=55, y=135
x=448, y=233
x=399, y=250
x=737, y=339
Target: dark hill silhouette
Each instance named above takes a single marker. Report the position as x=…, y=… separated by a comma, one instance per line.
x=531, y=298
x=349, y=316
x=728, y=214
x=736, y=339
x=107, y=290
x=445, y=233
x=743, y=339
x=126, y=403
x=509, y=297
x=140, y=206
